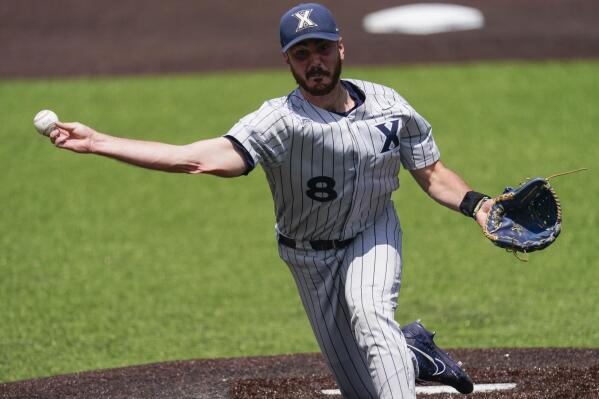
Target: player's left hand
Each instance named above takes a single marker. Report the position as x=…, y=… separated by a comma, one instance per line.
x=483, y=212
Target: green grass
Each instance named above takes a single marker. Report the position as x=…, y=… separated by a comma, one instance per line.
x=105, y=265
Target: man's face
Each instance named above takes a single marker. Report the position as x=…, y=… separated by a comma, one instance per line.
x=316, y=65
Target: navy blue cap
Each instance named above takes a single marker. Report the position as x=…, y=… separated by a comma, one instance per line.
x=307, y=21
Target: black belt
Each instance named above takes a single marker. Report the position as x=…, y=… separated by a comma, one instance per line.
x=318, y=245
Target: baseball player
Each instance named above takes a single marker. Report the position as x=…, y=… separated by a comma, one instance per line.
x=331, y=150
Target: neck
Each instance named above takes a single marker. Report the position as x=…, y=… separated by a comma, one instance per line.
x=338, y=100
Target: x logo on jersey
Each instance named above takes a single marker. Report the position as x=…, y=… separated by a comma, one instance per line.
x=390, y=133
x=304, y=19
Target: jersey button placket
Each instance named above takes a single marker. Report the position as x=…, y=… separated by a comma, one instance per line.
x=357, y=165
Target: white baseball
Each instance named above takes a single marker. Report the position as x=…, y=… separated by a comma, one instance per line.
x=44, y=121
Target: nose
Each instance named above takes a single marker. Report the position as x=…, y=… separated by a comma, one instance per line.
x=315, y=60
x=314, y=57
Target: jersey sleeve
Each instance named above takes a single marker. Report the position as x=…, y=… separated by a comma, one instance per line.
x=261, y=136
x=417, y=145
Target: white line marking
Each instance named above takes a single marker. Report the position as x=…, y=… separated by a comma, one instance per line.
x=438, y=389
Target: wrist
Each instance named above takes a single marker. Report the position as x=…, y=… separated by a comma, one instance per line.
x=472, y=202
x=479, y=206
x=95, y=141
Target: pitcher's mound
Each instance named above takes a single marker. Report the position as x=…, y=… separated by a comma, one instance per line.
x=537, y=373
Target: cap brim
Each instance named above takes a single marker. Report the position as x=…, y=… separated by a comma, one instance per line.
x=334, y=37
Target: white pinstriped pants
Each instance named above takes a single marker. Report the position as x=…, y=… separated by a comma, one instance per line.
x=350, y=296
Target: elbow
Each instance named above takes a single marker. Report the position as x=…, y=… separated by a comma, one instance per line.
x=190, y=168
x=216, y=170
x=188, y=160
x=187, y=163
x=224, y=169
x=195, y=159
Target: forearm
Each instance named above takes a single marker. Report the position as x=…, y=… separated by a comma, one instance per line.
x=147, y=154
x=443, y=185
x=217, y=156
x=449, y=189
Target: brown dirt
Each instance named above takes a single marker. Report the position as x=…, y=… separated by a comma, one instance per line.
x=538, y=373
x=77, y=37
x=86, y=37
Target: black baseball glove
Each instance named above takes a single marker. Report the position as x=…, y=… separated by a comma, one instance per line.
x=526, y=218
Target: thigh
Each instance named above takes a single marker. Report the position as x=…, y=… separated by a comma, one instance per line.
x=372, y=269
x=316, y=274
x=372, y=266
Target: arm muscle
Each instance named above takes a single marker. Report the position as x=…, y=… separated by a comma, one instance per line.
x=216, y=156
x=442, y=184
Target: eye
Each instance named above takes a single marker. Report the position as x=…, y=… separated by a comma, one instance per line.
x=300, y=54
x=324, y=47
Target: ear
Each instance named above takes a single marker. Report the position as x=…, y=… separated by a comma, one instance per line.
x=341, y=47
x=286, y=58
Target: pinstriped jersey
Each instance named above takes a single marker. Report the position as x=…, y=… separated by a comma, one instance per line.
x=332, y=175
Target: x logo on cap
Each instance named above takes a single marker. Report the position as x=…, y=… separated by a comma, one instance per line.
x=304, y=20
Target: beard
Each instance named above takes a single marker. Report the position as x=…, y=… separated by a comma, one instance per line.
x=320, y=89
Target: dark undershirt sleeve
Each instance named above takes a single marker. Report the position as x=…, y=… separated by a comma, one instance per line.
x=249, y=162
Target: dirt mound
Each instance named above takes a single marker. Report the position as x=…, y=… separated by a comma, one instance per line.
x=538, y=373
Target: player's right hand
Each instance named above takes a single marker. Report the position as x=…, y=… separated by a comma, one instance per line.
x=73, y=136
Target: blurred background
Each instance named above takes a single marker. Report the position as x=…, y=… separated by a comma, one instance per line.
x=83, y=37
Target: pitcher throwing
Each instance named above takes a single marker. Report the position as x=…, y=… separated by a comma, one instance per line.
x=331, y=150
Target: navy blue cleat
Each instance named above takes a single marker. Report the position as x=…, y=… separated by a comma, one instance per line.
x=434, y=364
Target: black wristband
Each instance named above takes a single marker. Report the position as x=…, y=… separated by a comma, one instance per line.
x=470, y=202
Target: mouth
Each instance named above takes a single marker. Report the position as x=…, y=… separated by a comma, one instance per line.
x=318, y=74
x=320, y=79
